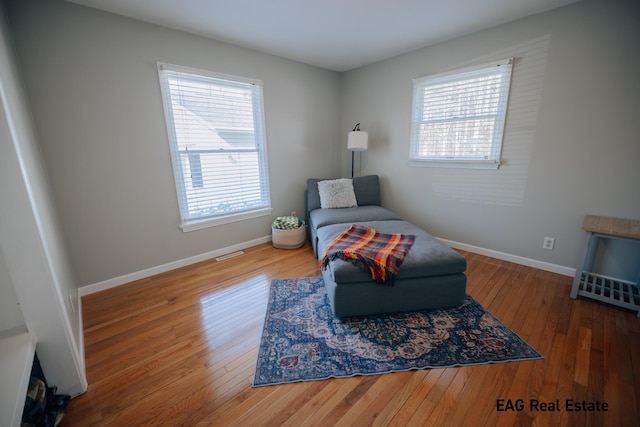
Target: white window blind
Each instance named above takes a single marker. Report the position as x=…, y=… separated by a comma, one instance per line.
x=216, y=133
x=458, y=118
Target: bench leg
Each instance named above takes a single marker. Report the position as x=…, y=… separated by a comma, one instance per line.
x=585, y=261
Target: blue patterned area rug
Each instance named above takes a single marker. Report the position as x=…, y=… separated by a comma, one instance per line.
x=302, y=340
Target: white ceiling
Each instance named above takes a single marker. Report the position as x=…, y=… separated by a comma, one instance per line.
x=335, y=34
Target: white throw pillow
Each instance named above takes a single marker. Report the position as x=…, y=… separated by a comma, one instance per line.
x=337, y=193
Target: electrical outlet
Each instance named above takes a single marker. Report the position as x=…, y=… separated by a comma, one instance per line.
x=294, y=213
x=549, y=243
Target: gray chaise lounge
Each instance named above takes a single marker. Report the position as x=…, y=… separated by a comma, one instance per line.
x=431, y=276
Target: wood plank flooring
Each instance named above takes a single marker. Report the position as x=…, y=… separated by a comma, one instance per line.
x=179, y=349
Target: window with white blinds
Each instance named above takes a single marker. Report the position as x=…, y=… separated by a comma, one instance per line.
x=216, y=132
x=458, y=118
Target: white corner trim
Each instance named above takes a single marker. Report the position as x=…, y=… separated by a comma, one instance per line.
x=529, y=262
x=127, y=278
x=81, y=343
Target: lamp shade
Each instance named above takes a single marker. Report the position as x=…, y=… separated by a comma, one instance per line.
x=358, y=140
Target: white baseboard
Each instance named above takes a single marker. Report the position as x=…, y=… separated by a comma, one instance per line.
x=127, y=278
x=541, y=265
x=81, y=326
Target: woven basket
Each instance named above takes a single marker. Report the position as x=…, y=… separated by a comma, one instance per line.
x=288, y=239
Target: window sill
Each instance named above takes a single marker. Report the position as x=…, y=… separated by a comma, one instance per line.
x=199, y=224
x=464, y=164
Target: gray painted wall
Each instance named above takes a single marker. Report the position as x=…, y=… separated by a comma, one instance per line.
x=11, y=317
x=34, y=262
x=93, y=86
x=571, y=144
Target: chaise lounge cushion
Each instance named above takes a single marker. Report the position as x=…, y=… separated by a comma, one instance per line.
x=431, y=276
x=323, y=217
x=428, y=257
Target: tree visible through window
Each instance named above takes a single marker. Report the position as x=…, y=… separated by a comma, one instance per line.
x=217, y=138
x=458, y=118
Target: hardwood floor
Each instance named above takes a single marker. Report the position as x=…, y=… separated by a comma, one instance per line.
x=179, y=349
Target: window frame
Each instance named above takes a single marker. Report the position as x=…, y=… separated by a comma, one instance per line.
x=493, y=160
x=189, y=222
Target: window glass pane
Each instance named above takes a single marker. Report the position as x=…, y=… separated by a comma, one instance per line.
x=472, y=97
x=460, y=115
x=195, y=169
x=230, y=182
x=216, y=130
x=467, y=138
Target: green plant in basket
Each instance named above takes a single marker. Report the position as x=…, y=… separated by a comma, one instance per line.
x=287, y=223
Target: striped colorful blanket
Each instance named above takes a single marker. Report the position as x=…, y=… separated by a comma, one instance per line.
x=377, y=253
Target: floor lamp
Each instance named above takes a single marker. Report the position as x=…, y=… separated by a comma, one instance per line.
x=357, y=141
